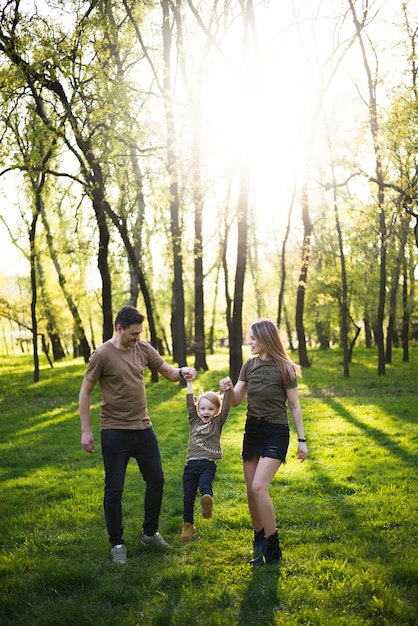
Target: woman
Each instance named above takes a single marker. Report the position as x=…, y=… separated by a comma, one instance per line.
x=269, y=379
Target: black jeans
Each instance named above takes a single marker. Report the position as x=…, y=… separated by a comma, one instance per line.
x=118, y=446
x=198, y=473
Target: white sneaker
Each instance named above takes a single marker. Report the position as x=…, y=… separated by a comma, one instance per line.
x=156, y=540
x=119, y=553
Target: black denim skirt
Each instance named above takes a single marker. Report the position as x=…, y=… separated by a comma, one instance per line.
x=263, y=438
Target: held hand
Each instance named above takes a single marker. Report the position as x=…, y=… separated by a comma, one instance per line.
x=189, y=373
x=225, y=383
x=302, y=451
x=87, y=441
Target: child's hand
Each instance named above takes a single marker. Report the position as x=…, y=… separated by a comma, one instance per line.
x=225, y=383
x=189, y=373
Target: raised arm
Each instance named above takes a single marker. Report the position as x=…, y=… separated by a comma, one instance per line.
x=237, y=393
x=175, y=374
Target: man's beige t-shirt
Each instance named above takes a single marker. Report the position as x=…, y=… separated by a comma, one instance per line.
x=120, y=374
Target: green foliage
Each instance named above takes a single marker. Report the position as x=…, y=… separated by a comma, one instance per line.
x=346, y=517
x=97, y=71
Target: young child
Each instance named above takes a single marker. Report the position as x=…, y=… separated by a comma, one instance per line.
x=206, y=420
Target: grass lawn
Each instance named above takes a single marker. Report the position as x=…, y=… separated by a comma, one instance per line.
x=347, y=517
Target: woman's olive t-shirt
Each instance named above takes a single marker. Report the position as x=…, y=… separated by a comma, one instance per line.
x=266, y=390
x=120, y=374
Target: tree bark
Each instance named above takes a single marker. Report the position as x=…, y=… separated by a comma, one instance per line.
x=394, y=289
x=405, y=315
x=344, y=285
x=374, y=129
x=32, y=235
x=178, y=327
x=58, y=351
x=82, y=345
x=236, y=327
x=303, y=275
x=280, y=303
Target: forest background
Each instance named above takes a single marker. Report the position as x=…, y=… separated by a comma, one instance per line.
x=210, y=163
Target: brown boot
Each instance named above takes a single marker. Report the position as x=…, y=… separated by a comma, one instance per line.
x=206, y=504
x=187, y=532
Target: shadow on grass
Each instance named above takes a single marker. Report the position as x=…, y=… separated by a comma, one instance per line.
x=261, y=601
x=375, y=434
x=358, y=543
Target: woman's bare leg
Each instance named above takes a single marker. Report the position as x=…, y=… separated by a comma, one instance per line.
x=259, y=473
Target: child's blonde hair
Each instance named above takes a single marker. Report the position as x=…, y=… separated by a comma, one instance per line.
x=212, y=396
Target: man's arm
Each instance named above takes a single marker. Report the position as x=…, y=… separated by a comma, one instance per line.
x=173, y=373
x=87, y=439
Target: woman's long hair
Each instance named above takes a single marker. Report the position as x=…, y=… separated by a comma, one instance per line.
x=268, y=336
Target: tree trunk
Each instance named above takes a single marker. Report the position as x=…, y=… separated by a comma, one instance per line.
x=82, y=345
x=211, y=341
x=178, y=308
x=374, y=129
x=103, y=261
x=58, y=351
x=300, y=296
x=322, y=337
x=353, y=341
x=283, y=262
x=32, y=234
x=199, y=308
x=224, y=251
x=119, y=221
x=236, y=327
x=407, y=306
x=394, y=290
x=199, y=311
x=134, y=270
x=344, y=286
x=193, y=92
x=46, y=350
x=37, y=184
x=249, y=77
x=368, y=332
x=405, y=314
x=288, y=329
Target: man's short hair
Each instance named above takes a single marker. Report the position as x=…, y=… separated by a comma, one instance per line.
x=127, y=316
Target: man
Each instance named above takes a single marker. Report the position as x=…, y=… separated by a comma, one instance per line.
x=126, y=429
